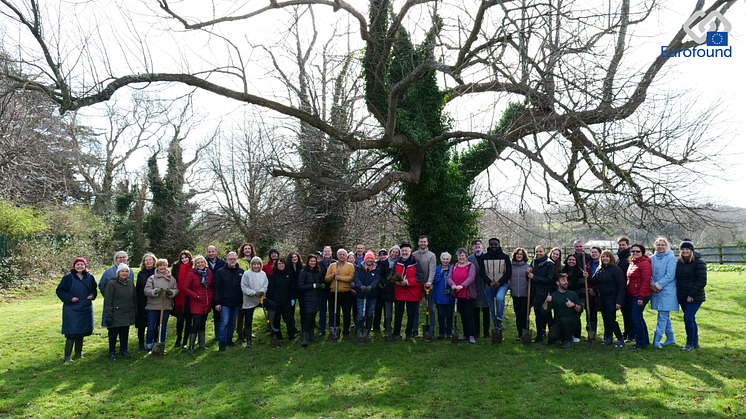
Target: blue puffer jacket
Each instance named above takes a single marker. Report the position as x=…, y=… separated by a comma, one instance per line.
x=440, y=284
x=664, y=274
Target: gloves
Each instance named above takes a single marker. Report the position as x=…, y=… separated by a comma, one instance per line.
x=322, y=286
x=169, y=293
x=292, y=302
x=109, y=321
x=259, y=293
x=158, y=292
x=366, y=289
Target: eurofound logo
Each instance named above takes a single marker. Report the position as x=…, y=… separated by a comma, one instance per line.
x=718, y=41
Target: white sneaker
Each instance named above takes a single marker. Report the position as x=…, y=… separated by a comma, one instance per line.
x=576, y=340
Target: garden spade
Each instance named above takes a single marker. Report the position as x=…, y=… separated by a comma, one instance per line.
x=526, y=335
x=362, y=337
x=160, y=347
x=426, y=335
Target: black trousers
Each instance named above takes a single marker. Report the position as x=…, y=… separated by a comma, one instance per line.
x=412, y=308
x=541, y=320
x=629, y=325
x=309, y=322
x=248, y=316
x=199, y=321
x=608, y=311
x=520, y=308
x=564, y=328
x=377, y=316
x=466, y=310
x=485, y=311
x=122, y=333
x=286, y=312
x=344, y=301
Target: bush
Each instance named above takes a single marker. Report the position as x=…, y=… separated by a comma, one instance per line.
x=19, y=221
x=725, y=268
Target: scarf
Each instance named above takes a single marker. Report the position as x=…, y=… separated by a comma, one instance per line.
x=202, y=277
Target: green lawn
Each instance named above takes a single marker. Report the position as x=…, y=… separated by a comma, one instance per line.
x=381, y=379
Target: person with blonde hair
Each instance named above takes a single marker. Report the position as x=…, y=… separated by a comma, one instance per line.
x=663, y=285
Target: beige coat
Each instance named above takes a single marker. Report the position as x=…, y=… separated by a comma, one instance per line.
x=156, y=282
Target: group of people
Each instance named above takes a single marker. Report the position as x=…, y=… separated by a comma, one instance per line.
x=380, y=287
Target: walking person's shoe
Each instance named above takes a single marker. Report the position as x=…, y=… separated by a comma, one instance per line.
x=112, y=356
x=688, y=348
x=619, y=343
x=222, y=346
x=125, y=354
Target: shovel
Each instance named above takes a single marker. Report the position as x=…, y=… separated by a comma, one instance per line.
x=426, y=335
x=334, y=330
x=160, y=347
x=497, y=334
x=455, y=332
x=272, y=337
x=526, y=335
x=588, y=327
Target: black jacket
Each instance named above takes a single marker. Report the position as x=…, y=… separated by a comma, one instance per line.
x=575, y=280
x=623, y=260
x=312, y=297
x=227, y=287
x=142, y=300
x=385, y=285
x=281, y=287
x=611, y=283
x=542, y=281
x=691, y=279
x=365, y=278
x=219, y=263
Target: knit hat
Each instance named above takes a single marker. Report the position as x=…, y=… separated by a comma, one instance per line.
x=383, y=252
x=85, y=262
x=122, y=267
x=687, y=244
x=273, y=251
x=369, y=254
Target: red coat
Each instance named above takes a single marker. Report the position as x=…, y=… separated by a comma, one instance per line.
x=638, y=277
x=199, y=296
x=414, y=275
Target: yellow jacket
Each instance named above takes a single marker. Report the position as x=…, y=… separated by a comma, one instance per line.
x=346, y=272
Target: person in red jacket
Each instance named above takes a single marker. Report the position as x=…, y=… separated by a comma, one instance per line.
x=639, y=273
x=270, y=265
x=198, y=287
x=408, y=292
x=463, y=287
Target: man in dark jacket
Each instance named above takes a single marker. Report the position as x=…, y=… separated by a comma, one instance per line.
x=580, y=254
x=622, y=256
x=496, y=270
x=566, y=309
x=324, y=263
x=213, y=264
x=228, y=298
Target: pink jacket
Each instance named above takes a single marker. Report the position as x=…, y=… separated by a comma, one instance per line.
x=469, y=285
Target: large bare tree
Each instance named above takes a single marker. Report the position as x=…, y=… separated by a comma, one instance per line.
x=564, y=65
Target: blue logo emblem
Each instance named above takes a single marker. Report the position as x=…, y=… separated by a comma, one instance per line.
x=717, y=39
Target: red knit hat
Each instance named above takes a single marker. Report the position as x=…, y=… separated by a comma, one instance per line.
x=80, y=260
x=370, y=254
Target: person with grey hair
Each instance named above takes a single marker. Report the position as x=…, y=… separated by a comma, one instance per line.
x=227, y=299
x=120, y=306
x=442, y=296
x=340, y=275
x=109, y=274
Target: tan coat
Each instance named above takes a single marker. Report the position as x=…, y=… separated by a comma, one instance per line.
x=347, y=274
x=156, y=282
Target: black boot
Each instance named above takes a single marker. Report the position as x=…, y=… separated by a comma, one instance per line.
x=68, y=350
x=304, y=339
x=192, y=338
x=202, y=340
x=387, y=329
x=248, y=342
x=368, y=326
x=221, y=346
x=79, y=348
x=178, y=341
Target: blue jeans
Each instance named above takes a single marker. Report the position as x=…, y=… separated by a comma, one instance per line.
x=153, y=317
x=496, y=295
x=228, y=316
x=370, y=308
x=692, y=331
x=664, y=325
x=642, y=339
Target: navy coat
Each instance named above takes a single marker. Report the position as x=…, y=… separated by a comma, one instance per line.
x=77, y=317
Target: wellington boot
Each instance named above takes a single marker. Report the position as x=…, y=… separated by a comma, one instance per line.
x=69, y=350
x=178, y=341
x=190, y=347
x=202, y=340
x=312, y=337
x=387, y=329
x=79, y=348
x=304, y=339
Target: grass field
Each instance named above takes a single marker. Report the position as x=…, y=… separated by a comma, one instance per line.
x=399, y=379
